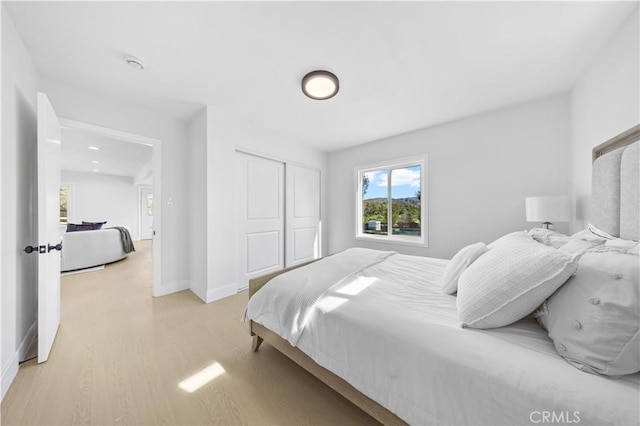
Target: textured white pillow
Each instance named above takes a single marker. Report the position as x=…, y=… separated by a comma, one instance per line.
x=461, y=261
x=516, y=234
x=594, y=319
x=510, y=281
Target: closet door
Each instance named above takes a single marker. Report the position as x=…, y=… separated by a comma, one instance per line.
x=260, y=205
x=303, y=215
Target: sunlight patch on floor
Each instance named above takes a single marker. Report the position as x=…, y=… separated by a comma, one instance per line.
x=201, y=378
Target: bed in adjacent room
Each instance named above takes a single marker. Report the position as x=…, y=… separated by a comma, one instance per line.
x=88, y=245
x=543, y=327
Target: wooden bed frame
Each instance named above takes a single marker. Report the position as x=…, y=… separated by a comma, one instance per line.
x=375, y=410
x=261, y=333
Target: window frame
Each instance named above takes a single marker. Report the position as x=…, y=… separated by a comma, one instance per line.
x=71, y=201
x=390, y=165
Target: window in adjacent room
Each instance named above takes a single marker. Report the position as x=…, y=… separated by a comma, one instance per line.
x=64, y=204
x=392, y=201
x=67, y=191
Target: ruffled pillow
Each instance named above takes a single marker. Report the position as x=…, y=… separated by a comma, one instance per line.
x=549, y=237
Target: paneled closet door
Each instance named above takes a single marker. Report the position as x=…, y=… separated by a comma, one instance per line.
x=303, y=215
x=260, y=204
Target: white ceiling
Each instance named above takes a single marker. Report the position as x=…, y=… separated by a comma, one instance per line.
x=115, y=157
x=402, y=65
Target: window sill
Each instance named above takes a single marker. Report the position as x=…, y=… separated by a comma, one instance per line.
x=393, y=240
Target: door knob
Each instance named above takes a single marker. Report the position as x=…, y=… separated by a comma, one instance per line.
x=56, y=247
x=42, y=249
x=34, y=249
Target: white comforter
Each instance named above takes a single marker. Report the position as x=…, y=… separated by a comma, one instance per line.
x=389, y=331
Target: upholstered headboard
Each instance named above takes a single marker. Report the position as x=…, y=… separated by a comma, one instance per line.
x=615, y=195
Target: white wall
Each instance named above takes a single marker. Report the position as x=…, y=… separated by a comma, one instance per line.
x=198, y=204
x=75, y=104
x=98, y=197
x=19, y=222
x=480, y=169
x=604, y=103
x=225, y=132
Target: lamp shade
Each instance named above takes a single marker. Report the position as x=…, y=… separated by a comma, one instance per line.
x=548, y=209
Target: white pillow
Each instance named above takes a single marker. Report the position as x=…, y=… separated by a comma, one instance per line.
x=510, y=281
x=608, y=242
x=594, y=319
x=599, y=232
x=549, y=237
x=575, y=245
x=503, y=238
x=461, y=261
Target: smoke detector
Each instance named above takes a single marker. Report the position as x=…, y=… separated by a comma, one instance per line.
x=134, y=62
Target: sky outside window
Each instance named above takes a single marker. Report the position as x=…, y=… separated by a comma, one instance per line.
x=405, y=183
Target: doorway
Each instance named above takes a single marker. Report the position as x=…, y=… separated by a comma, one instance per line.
x=150, y=177
x=145, y=213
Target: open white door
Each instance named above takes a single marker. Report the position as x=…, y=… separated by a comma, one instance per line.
x=49, y=237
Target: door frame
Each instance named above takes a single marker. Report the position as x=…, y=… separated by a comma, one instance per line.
x=156, y=145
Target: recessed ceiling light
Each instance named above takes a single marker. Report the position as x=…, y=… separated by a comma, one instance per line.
x=95, y=148
x=134, y=62
x=95, y=161
x=320, y=85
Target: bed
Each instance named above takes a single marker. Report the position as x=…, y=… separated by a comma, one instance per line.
x=377, y=327
x=87, y=249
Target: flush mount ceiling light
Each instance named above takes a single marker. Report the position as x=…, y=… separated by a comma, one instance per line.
x=134, y=62
x=320, y=85
x=94, y=148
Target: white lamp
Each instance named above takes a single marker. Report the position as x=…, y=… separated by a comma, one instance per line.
x=548, y=209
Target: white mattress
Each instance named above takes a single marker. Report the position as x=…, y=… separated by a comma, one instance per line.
x=390, y=332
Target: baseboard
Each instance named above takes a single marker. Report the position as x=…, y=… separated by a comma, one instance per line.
x=10, y=372
x=27, y=341
x=210, y=296
x=172, y=288
x=201, y=293
x=222, y=292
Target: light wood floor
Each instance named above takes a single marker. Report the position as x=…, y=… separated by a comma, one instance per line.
x=120, y=354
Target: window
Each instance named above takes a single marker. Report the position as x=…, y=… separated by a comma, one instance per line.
x=64, y=204
x=391, y=201
x=67, y=192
